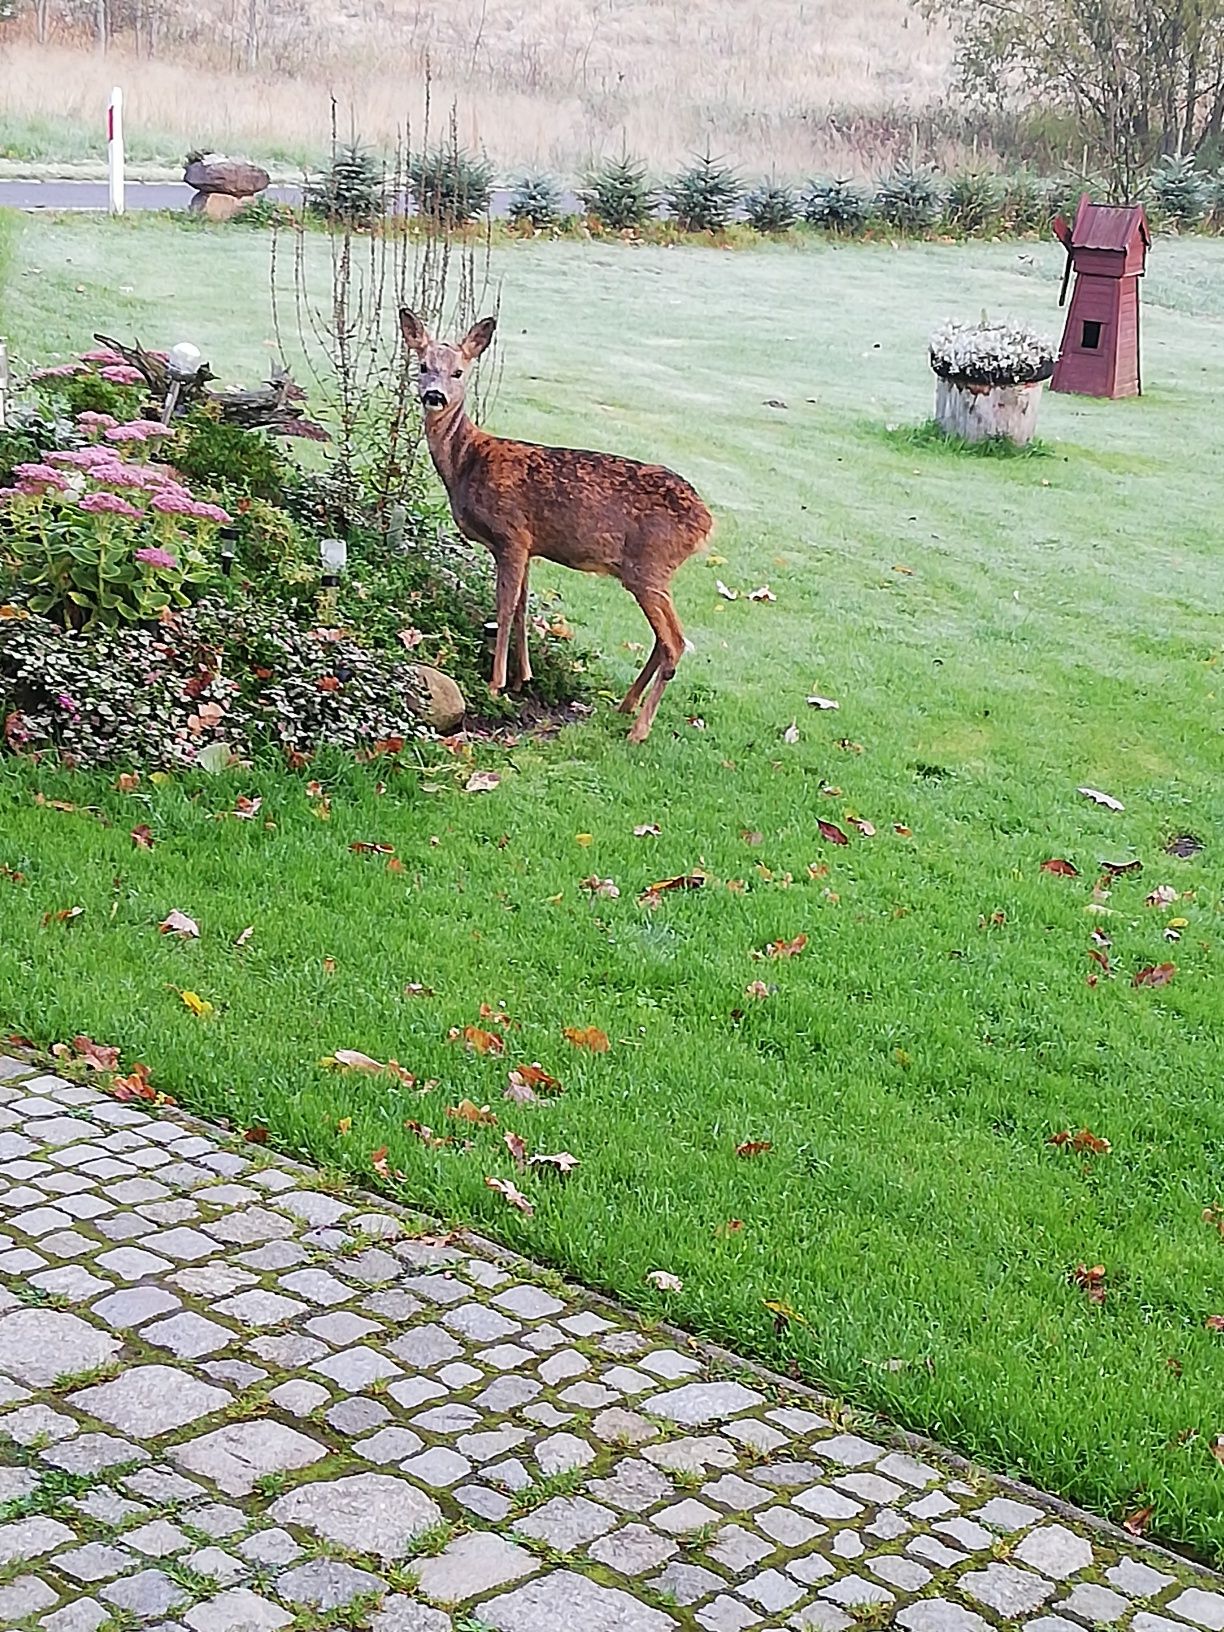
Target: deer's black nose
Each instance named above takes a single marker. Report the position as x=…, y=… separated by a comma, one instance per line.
x=433, y=399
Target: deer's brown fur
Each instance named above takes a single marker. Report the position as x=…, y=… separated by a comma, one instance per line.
x=595, y=512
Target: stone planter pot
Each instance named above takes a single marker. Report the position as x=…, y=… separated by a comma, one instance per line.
x=978, y=412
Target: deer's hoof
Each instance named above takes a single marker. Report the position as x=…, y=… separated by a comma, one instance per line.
x=640, y=731
x=495, y=690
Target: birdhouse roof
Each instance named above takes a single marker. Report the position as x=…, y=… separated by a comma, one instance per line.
x=1109, y=226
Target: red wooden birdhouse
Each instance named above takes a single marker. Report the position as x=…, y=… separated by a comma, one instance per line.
x=1107, y=250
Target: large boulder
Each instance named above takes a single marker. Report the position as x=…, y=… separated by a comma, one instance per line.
x=217, y=173
x=215, y=206
x=442, y=703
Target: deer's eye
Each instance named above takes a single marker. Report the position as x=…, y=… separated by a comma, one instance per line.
x=457, y=375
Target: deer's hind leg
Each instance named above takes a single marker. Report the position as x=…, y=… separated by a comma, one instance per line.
x=512, y=558
x=669, y=645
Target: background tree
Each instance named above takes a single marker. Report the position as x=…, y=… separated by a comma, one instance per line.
x=1142, y=77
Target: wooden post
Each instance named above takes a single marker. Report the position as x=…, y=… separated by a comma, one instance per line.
x=4, y=385
x=114, y=150
x=976, y=413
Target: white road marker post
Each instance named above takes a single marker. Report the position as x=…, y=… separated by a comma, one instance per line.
x=114, y=150
x=4, y=385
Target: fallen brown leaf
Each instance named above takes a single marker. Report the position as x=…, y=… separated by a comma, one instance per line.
x=127, y=781
x=756, y=988
x=142, y=836
x=255, y=1136
x=246, y=809
x=1137, y=1523
x=589, y=1037
x=512, y=1193
x=754, y=1147
x=481, y=782
x=244, y=936
x=1163, y=895
x=477, y=1040
x=178, y=923
x=665, y=1281
x=361, y=848
x=64, y=916
x=1099, y=798
x=1156, y=974
x=600, y=886
x=562, y=1163
x=1214, y=1323
x=534, y=1077
x=1119, y=869
x=1063, y=869
x=1184, y=845
x=647, y=830
x=784, y=949
x=415, y=989
x=831, y=831
x=468, y=1111
x=1090, y=1281
x=1083, y=1143
x=517, y=1147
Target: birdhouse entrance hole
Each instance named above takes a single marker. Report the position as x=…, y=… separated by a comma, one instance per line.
x=1091, y=338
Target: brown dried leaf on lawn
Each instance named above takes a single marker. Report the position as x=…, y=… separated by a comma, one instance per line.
x=481, y=782
x=351, y=1059
x=727, y=594
x=783, y=1314
x=244, y=936
x=1214, y=1323
x=1101, y=959
x=785, y=949
x=682, y=881
x=246, y=809
x=1184, y=845
x=562, y=1163
x=757, y=988
x=791, y=734
x=255, y=1135
x=378, y=1161
x=751, y=836
x=426, y=1135
x=600, y=886
x=95, y=1056
x=178, y=923
x=361, y=848
x=1137, y=1523
x=512, y=1193
x=1156, y=974
x=647, y=830
x=1090, y=1281
x=499, y=1017
x=865, y=827
x=902, y=831
x=589, y=1037
x=415, y=989
x=136, y=1085
x=476, y=1039
x=1060, y=867
x=517, y=1146
x=762, y=594
x=468, y=1111
x=831, y=831
x=1163, y=895
x=665, y=1281
x=1119, y=869
x=1099, y=798
x=127, y=781
x=64, y=916
x=142, y=836
x=754, y=1147
x=1083, y=1143
x=823, y=703
x=534, y=1076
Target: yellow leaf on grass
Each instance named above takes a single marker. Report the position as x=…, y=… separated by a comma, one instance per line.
x=198, y=1005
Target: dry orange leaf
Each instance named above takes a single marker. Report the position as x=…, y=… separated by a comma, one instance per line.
x=127, y=781
x=1157, y=974
x=517, y=1147
x=468, y=1111
x=64, y=916
x=562, y=1163
x=477, y=1040
x=831, y=831
x=1214, y=1323
x=361, y=848
x=1083, y=1143
x=1091, y=1281
x=531, y=1078
x=512, y=1193
x=255, y=1136
x=142, y=836
x=785, y=949
x=754, y=1147
x=178, y=923
x=1137, y=1522
x=665, y=1281
x=1060, y=867
x=587, y=1037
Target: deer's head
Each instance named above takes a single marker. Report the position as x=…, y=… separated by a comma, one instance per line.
x=443, y=367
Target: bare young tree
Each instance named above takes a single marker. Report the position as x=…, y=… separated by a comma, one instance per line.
x=1142, y=77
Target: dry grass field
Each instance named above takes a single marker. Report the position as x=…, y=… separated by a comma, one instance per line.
x=786, y=86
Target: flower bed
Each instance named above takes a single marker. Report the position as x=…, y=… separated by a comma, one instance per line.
x=985, y=353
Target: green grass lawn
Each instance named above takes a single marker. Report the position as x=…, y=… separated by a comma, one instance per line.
x=1057, y=624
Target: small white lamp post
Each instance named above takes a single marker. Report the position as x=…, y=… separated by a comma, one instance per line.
x=333, y=553
x=184, y=363
x=114, y=150
x=4, y=385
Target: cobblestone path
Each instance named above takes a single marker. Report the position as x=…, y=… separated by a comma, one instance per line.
x=232, y=1400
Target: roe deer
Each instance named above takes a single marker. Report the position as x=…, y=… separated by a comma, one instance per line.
x=591, y=511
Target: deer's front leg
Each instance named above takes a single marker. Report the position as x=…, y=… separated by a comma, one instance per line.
x=511, y=588
x=522, y=659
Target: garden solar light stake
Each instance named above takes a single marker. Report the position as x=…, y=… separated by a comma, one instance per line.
x=114, y=151
x=4, y=385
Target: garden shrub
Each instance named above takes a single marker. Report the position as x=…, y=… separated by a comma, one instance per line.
x=234, y=458
x=352, y=191
x=233, y=678
x=1180, y=192
x=451, y=185
x=772, y=207
x=909, y=197
x=972, y=201
x=703, y=197
x=99, y=539
x=617, y=195
x=535, y=202
x=100, y=383
x=837, y=204
x=1025, y=202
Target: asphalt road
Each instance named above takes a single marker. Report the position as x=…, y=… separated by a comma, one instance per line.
x=154, y=195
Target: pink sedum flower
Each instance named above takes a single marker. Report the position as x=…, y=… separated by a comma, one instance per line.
x=127, y=433
x=37, y=478
x=122, y=374
x=109, y=504
x=153, y=557
x=173, y=502
x=102, y=354
x=211, y=512
x=92, y=421
x=60, y=371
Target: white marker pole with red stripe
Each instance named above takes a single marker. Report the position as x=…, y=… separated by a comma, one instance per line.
x=114, y=150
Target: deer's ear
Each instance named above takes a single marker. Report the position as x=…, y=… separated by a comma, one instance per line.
x=413, y=330
x=477, y=338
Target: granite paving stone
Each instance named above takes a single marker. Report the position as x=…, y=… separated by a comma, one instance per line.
x=337, y=1403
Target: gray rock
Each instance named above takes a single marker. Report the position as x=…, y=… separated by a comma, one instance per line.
x=616, y=1426
x=213, y=173
x=814, y=1567
x=326, y=1583
x=853, y=1591
x=899, y=1572
x=471, y=1565
x=134, y=1306
x=95, y=1561
x=30, y=1538
x=146, y=1595
x=687, y=1583
x=425, y=1347
x=696, y=1404
x=633, y=1550
x=726, y=1614
x=1007, y=1590
x=237, y=1456
x=299, y=1396
x=1138, y=1580
x=357, y=1416
x=477, y=1323
x=566, y=1602
x=1100, y=1606
x=400, y=1614
x=374, y=1513
x=820, y=1618
x=1055, y=1551
x=736, y=1493
x=219, y=1566
x=738, y=1549
x=772, y=1591
x=151, y=1400
x=270, y=1547
x=567, y=1523
x=33, y=1422
x=39, y=1345
x=158, y=1539
x=388, y=1445
x=438, y=1467
x=562, y=1452
x=317, y=1286
x=342, y=1328
x=528, y=1302
x=1204, y=1608
x=24, y=1596
x=1001, y=1513
x=83, y=1616
x=938, y=1615
x=238, y=1610
x=259, y=1308
x=355, y=1369
x=633, y=1487
x=189, y=1335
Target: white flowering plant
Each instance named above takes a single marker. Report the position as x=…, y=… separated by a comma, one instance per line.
x=991, y=353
